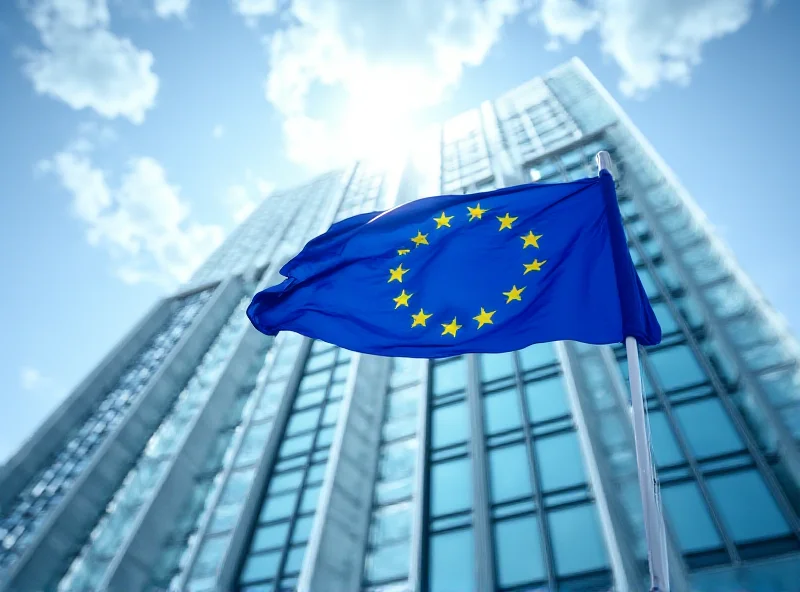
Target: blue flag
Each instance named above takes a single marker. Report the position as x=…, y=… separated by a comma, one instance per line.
x=454, y=274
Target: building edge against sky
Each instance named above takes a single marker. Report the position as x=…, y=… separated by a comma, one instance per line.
x=200, y=455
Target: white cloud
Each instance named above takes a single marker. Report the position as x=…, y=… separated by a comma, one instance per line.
x=31, y=379
x=387, y=72
x=251, y=10
x=653, y=41
x=142, y=221
x=567, y=19
x=242, y=200
x=86, y=65
x=168, y=8
x=218, y=131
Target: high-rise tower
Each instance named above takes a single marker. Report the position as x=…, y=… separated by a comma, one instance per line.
x=201, y=455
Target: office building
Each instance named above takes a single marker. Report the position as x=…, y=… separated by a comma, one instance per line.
x=200, y=455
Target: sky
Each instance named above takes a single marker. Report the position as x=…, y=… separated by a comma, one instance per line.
x=134, y=134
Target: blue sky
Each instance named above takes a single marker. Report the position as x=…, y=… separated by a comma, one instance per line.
x=136, y=133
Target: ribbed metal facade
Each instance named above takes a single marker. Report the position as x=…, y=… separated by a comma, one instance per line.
x=201, y=455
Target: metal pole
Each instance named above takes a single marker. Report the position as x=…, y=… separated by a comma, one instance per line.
x=655, y=533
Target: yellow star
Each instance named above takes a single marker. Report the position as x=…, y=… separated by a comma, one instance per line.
x=403, y=251
x=420, y=239
x=531, y=239
x=420, y=318
x=402, y=300
x=451, y=328
x=476, y=212
x=514, y=294
x=443, y=221
x=536, y=265
x=505, y=221
x=484, y=318
x=397, y=274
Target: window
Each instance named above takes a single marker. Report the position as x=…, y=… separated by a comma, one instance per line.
x=560, y=461
x=676, y=367
x=509, y=477
x=302, y=421
x=269, y=537
x=534, y=356
x=297, y=444
x=286, y=481
x=388, y=562
x=449, y=376
x=450, y=425
x=518, y=552
x=577, y=544
x=451, y=560
x=546, y=399
x=747, y=507
x=294, y=560
x=302, y=529
x=310, y=498
x=665, y=446
x=494, y=366
x=314, y=381
x=278, y=506
x=501, y=411
x=665, y=318
x=391, y=523
x=708, y=428
x=261, y=567
x=451, y=487
x=689, y=518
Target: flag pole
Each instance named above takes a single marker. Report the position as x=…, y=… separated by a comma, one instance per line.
x=655, y=533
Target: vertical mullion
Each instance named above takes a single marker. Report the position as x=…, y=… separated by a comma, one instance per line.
x=533, y=467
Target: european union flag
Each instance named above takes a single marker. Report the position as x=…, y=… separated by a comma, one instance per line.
x=489, y=272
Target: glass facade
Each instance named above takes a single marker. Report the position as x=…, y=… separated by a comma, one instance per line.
x=203, y=456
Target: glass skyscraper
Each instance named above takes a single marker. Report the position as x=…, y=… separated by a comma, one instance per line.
x=201, y=455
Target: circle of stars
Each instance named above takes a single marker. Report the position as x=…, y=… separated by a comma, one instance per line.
x=485, y=317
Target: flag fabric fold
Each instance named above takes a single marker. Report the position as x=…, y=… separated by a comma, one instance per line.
x=482, y=273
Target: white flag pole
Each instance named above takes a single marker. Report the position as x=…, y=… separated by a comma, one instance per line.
x=648, y=485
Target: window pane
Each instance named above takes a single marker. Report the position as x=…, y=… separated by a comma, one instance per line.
x=388, y=562
x=451, y=486
x=577, y=543
x=310, y=498
x=537, y=355
x=286, y=481
x=278, y=506
x=518, y=551
x=302, y=421
x=560, y=461
x=452, y=561
x=501, y=411
x=449, y=376
x=665, y=446
x=708, y=428
x=261, y=567
x=294, y=560
x=747, y=507
x=450, y=424
x=676, y=367
x=302, y=529
x=391, y=523
x=268, y=537
x=509, y=474
x=665, y=318
x=309, y=399
x=689, y=518
x=494, y=366
x=296, y=444
x=314, y=381
x=546, y=399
